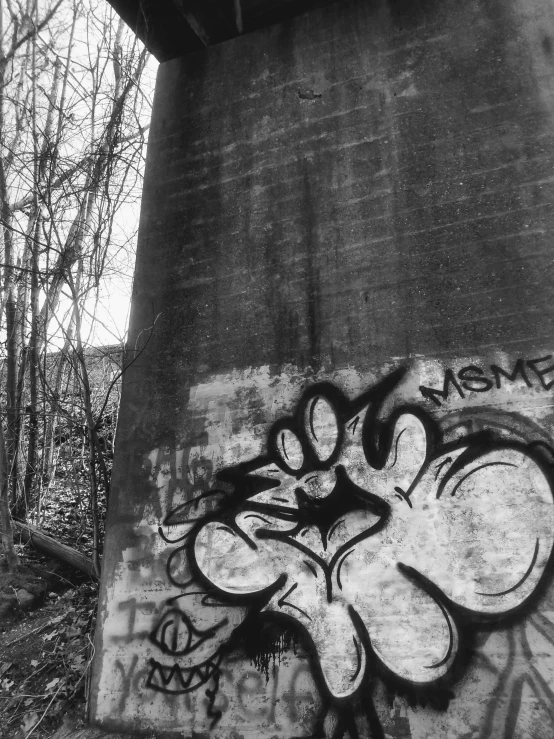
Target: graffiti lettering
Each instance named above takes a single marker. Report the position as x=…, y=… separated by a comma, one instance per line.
x=131, y=679
x=298, y=696
x=473, y=378
x=131, y=606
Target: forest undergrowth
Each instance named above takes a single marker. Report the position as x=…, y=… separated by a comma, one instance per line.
x=75, y=103
x=48, y=612
x=46, y=644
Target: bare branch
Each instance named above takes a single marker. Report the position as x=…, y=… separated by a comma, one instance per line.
x=30, y=34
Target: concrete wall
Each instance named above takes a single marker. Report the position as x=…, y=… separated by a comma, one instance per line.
x=332, y=511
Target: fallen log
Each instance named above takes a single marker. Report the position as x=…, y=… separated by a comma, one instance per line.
x=53, y=548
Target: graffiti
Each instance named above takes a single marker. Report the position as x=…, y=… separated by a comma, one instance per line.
x=286, y=698
x=196, y=649
x=519, y=672
x=376, y=540
x=176, y=635
x=473, y=378
x=131, y=679
x=131, y=608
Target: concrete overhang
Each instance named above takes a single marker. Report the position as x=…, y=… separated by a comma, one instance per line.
x=172, y=28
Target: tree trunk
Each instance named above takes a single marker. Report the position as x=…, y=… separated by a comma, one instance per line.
x=90, y=425
x=49, y=444
x=30, y=471
x=53, y=548
x=6, y=531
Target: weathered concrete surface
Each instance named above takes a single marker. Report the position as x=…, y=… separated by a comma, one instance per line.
x=366, y=188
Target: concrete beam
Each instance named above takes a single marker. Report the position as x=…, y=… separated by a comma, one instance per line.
x=238, y=16
x=173, y=28
x=161, y=26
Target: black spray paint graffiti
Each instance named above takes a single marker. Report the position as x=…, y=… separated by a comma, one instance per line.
x=474, y=379
x=376, y=540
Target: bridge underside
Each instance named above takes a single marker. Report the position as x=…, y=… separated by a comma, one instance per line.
x=172, y=28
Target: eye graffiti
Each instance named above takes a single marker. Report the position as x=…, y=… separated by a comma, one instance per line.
x=193, y=646
x=374, y=538
x=176, y=635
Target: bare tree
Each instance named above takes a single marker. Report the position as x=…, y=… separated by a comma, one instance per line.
x=71, y=122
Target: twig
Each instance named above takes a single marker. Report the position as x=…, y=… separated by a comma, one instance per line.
x=31, y=33
x=44, y=712
x=36, y=672
x=28, y=634
x=87, y=674
x=138, y=352
x=61, y=578
x=25, y=695
x=84, y=675
x=17, y=596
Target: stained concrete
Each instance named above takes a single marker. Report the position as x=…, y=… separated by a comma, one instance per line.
x=365, y=188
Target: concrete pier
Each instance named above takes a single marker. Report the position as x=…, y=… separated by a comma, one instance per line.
x=332, y=510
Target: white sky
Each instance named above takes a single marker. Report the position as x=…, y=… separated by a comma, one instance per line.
x=113, y=307
x=115, y=295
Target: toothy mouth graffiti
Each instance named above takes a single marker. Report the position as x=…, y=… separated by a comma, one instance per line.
x=373, y=536
x=174, y=679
